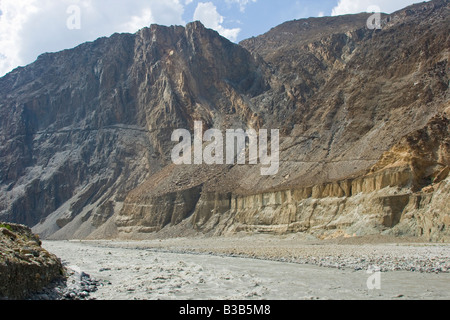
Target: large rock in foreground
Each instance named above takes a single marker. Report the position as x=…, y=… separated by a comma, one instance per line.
x=25, y=267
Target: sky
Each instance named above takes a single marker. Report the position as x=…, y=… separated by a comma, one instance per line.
x=29, y=28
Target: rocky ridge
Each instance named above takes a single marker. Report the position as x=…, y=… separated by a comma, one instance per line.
x=345, y=180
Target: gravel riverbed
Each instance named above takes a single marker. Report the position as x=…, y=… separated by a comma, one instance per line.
x=354, y=254
x=257, y=267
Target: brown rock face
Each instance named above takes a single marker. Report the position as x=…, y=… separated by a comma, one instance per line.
x=382, y=201
x=426, y=153
x=75, y=143
x=24, y=266
x=361, y=115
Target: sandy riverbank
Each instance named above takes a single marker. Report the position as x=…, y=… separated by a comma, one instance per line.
x=260, y=267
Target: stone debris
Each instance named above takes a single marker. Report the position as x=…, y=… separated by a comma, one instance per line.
x=77, y=286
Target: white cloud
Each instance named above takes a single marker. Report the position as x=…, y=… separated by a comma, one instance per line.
x=242, y=3
x=138, y=21
x=31, y=27
x=206, y=12
x=357, y=6
x=14, y=15
x=321, y=14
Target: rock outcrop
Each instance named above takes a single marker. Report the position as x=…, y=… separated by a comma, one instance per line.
x=362, y=117
x=404, y=193
x=25, y=267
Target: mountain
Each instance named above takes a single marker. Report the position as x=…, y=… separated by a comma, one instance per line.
x=363, y=119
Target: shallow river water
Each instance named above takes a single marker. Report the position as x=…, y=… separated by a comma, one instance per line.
x=134, y=273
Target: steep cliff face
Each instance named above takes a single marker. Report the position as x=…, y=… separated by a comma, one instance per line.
x=86, y=133
x=343, y=95
x=405, y=193
x=76, y=140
